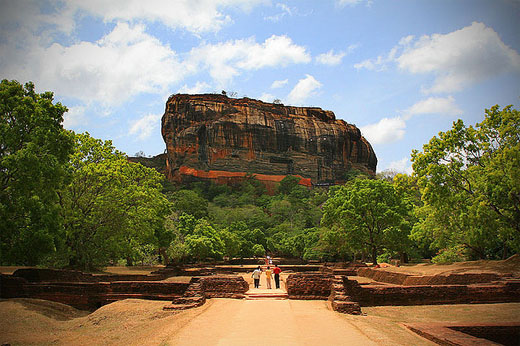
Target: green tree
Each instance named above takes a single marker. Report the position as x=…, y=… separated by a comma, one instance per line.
x=288, y=184
x=186, y=224
x=258, y=250
x=372, y=214
x=205, y=242
x=34, y=149
x=354, y=174
x=111, y=206
x=470, y=183
x=335, y=243
x=231, y=243
x=190, y=202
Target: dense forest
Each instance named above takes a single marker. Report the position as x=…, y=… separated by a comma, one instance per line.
x=70, y=200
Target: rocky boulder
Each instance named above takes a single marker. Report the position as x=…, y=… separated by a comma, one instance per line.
x=213, y=137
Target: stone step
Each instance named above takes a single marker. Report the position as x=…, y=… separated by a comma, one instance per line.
x=112, y=297
x=193, y=294
x=189, y=300
x=177, y=307
x=351, y=308
x=266, y=296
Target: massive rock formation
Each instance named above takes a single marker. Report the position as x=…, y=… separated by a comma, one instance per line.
x=214, y=137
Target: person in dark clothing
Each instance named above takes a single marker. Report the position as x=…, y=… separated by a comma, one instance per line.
x=276, y=272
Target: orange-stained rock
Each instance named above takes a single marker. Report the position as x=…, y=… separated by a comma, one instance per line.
x=214, y=137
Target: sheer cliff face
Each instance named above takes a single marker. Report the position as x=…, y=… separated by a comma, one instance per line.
x=215, y=137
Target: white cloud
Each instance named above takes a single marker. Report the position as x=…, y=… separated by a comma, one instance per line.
x=381, y=62
x=279, y=83
x=368, y=64
x=387, y=130
x=305, y=88
x=402, y=166
x=330, y=58
x=286, y=10
x=128, y=60
x=434, y=105
x=27, y=17
x=275, y=51
x=125, y=62
x=198, y=88
x=145, y=126
x=225, y=60
x=405, y=41
x=266, y=97
x=74, y=117
x=343, y=3
x=25, y=21
x=458, y=59
x=195, y=16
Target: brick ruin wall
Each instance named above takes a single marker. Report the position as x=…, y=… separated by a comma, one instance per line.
x=468, y=334
x=379, y=294
x=309, y=285
x=388, y=288
x=224, y=286
x=63, y=275
x=411, y=280
x=89, y=292
x=89, y=295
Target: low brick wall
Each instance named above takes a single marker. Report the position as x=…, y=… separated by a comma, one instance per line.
x=468, y=334
x=348, y=268
x=309, y=285
x=12, y=286
x=382, y=275
x=505, y=334
x=62, y=275
x=224, y=286
x=89, y=295
x=375, y=295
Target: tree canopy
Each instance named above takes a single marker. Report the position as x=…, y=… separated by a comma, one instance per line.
x=372, y=214
x=70, y=199
x=111, y=206
x=34, y=151
x=470, y=182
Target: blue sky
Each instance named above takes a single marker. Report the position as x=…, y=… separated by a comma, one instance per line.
x=400, y=70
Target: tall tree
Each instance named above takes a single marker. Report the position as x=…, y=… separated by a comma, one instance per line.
x=470, y=183
x=34, y=149
x=372, y=213
x=111, y=206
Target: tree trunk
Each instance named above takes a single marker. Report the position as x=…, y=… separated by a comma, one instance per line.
x=129, y=261
x=374, y=255
x=166, y=259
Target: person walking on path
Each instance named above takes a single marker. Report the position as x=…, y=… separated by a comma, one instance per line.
x=268, y=277
x=277, y=272
x=256, y=276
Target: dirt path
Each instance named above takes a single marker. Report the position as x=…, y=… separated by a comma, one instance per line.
x=268, y=322
x=230, y=322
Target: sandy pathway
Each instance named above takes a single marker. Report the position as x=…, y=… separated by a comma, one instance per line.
x=268, y=322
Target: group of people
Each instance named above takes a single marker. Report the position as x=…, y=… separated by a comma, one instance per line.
x=257, y=273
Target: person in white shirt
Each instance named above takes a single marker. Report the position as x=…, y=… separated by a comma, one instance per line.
x=256, y=276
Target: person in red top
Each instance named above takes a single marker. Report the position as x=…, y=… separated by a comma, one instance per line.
x=276, y=272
